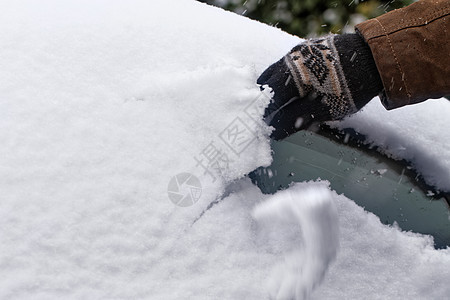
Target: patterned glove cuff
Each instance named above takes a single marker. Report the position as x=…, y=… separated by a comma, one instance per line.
x=359, y=68
x=338, y=70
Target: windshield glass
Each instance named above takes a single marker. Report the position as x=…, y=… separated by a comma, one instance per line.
x=390, y=189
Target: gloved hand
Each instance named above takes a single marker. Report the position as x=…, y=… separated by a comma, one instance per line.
x=320, y=80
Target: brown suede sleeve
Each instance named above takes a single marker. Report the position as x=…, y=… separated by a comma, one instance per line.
x=411, y=48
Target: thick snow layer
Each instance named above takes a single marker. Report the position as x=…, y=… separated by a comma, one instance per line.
x=418, y=133
x=103, y=103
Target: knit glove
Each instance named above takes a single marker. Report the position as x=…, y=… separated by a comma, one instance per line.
x=320, y=80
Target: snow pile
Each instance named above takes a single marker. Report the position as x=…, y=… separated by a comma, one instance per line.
x=107, y=105
x=381, y=262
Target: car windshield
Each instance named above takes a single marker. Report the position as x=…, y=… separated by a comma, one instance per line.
x=388, y=188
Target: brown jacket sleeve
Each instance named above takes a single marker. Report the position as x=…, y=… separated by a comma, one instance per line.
x=411, y=48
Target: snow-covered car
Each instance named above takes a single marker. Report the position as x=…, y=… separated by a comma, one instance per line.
x=106, y=105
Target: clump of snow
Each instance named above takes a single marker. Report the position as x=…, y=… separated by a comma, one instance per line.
x=304, y=217
x=105, y=102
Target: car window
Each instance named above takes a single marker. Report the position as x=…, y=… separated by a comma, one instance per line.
x=390, y=189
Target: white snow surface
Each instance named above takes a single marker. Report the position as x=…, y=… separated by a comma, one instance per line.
x=103, y=102
x=418, y=133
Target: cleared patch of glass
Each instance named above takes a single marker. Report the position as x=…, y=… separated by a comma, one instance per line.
x=390, y=189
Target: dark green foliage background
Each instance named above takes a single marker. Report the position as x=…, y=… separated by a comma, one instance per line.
x=307, y=18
